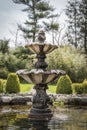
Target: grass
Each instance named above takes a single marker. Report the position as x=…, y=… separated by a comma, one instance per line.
x=52, y=88
x=27, y=87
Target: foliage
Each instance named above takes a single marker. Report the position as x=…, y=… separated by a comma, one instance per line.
x=38, y=11
x=64, y=85
x=77, y=88
x=85, y=86
x=71, y=60
x=3, y=72
x=13, y=84
x=52, y=26
x=67, y=58
x=83, y=23
x=19, y=58
x=72, y=12
x=4, y=46
x=10, y=62
x=76, y=11
x=21, y=52
x=2, y=85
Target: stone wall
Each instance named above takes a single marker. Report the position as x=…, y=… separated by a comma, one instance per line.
x=20, y=99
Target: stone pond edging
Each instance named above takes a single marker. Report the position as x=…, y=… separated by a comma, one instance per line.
x=20, y=99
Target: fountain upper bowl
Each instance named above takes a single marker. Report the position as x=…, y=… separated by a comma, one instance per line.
x=39, y=48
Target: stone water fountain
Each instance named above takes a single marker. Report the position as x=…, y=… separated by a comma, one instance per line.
x=40, y=77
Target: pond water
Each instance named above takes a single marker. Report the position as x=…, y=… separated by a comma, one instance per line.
x=16, y=118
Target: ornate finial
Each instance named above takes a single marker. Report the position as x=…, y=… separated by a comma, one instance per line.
x=41, y=36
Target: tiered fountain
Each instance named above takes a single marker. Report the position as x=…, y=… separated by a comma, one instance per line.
x=40, y=77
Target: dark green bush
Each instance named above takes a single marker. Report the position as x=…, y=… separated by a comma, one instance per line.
x=2, y=85
x=13, y=84
x=77, y=88
x=85, y=86
x=64, y=85
x=3, y=73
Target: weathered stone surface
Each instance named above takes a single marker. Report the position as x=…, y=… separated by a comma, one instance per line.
x=16, y=99
x=6, y=99
x=71, y=99
x=0, y=101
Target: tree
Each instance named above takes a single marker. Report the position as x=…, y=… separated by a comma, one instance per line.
x=4, y=46
x=72, y=11
x=52, y=26
x=83, y=23
x=37, y=11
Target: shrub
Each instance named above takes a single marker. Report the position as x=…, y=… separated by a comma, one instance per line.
x=3, y=73
x=2, y=85
x=85, y=86
x=71, y=60
x=13, y=84
x=77, y=88
x=64, y=85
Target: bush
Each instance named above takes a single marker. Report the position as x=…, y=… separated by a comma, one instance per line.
x=85, y=86
x=3, y=73
x=71, y=60
x=64, y=85
x=77, y=88
x=2, y=85
x=13, y=84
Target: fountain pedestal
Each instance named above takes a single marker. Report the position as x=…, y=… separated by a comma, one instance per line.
x=41, y=77
x=40, y=109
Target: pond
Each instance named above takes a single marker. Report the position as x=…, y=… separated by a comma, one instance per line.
x=16, y=118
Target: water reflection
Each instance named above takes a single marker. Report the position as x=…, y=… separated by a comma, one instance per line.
x=39, y=125
x=16, y=118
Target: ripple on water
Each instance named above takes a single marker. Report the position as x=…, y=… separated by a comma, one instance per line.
x=16, y=118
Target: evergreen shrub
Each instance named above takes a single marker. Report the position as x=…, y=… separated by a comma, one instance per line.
x=2, y=85
x=85, y=86
x=13, y=84
x=77, y=88
x=64, y=85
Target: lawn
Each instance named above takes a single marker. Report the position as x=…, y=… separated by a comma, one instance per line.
x=27, y=87
x=52, y=88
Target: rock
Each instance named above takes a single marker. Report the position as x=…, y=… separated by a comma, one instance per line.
x=20, y=100
x=0, y=101
x=17, y=100
x=6, y=99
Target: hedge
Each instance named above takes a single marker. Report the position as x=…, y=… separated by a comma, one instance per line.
x=13, y=84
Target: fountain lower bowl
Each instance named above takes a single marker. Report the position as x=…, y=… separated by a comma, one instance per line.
x=39, y=76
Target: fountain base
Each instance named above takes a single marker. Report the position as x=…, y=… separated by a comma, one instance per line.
x=41, y=101
x=40, y=114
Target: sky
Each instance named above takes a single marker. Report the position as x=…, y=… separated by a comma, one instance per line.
x=11, y=14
